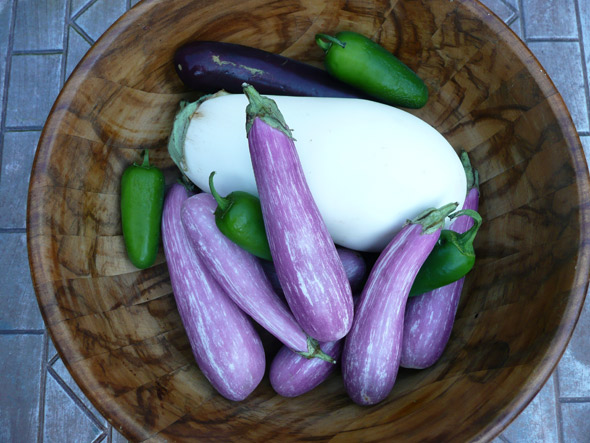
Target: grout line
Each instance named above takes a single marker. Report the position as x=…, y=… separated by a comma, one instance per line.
x=101, y=437
x=511, y=19
x=7, y=66
x=22, y=331
x=584, y=133
x=82, y=10
x=128, y=5
x=38, y=52
x=509, y=6
x=583, y=56
x=65, y=43
x=522, y=21
x=558, y=415
x=82, y=33
x=23, y=128
x=553, y=39
x=574, y=400
x=110, y=433
x=43, y=389
x=70, y=393
x=13, y=231
x=503, y=438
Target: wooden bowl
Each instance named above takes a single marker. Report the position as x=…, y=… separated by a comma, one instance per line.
x=117, y=329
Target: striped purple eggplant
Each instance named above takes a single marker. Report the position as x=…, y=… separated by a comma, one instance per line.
x=429, y=317
x=226, y=347
x=353, y=262
x=310, y=272
x=240, y=274
x=292, y=375
x=372, y=349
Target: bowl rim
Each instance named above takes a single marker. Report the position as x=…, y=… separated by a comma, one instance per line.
x=581, y=278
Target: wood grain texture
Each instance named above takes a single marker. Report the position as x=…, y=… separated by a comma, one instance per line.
x=117, y=328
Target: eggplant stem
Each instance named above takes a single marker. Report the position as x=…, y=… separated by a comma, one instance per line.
x=222, y=203
x=314, y=351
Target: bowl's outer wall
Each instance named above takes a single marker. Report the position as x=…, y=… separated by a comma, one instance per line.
x=117, y=328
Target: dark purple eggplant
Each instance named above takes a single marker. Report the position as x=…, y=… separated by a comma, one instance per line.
x=207, y=66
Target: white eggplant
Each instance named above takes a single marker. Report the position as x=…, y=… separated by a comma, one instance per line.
x=369, y=166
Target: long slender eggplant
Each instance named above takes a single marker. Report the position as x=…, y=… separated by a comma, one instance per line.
x=240, y=274
x=226, y=347
x=429, y=317
x=292, y=375
x=353, y=262
x=372, y=349
x=209, y=66
x=307, y=264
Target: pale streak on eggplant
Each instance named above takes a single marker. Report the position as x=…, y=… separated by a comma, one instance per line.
x=240, y=273
x=434, y=311
x=310, y=271
x=372, y=350
x=220, y=334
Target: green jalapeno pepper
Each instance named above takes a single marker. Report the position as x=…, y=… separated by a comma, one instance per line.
x=366, y=65
x=142, y=199
x=239, y=217
x=451, y=258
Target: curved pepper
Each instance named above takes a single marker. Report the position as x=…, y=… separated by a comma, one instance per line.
x=451, y=258
x=239, y=217
x=360, y=62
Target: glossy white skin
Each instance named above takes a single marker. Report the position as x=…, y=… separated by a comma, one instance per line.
x=370, y=167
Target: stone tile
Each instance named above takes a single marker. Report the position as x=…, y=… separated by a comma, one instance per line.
x=584, y=14
x=20, y=369
x=77, y=5
x=102, y=14
x=64, y=420
x=17, y=160
x=586, y=145
x=563, y=63
x=516, y=26
x=39, y=25
x=35, y=81
x=555, y=19
x=5, y=16
x=501, y=9
x=116, y=437
x=576, y=422
x=64, y=375
x=538, y=422
x=77, y=48
x=574, y=366
x=51, y=351
x=20, y=309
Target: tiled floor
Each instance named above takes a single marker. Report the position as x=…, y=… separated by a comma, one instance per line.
x=40, y=43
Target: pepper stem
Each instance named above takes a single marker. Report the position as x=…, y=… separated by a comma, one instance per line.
x=320, y=39
x=467, y=237
x=314, y=351
x=146, y=159
x=222, y=203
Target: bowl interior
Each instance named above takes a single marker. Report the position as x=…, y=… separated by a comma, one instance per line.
x=117, y=328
